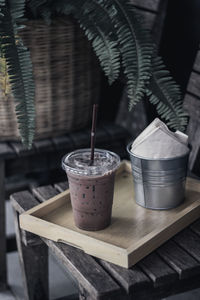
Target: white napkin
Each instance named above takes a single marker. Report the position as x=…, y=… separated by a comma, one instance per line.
x=157, y=141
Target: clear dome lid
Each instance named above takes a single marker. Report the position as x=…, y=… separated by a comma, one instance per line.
x=78, y=162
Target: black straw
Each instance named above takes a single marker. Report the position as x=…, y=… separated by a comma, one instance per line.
x=93, y=132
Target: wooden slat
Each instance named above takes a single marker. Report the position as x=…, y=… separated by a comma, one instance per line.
x=192, y=106
x=157, y=270
x=148, y=4
x=194, y=137
x=3, y=271
x=133, y=280
x=44, y=192
x=171, y=289
x=197, y=63
x=115, y=132
x=61, y=186
x=159, y=21
x=179, y=260
x=194, y=84
x=31, y=164
x=192, y=130
x=85, y=269
x=98, y=283
x=6, y=151
x=44, y=145
x=23, y=201
x=63, y=142
x=80, y=139
x=189, y=241
x=101, y=135
x=21, y=150
x=196, y=227
x=34, y=266
x=147, y=17
x=20, y=183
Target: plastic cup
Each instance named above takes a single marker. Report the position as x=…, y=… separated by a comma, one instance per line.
x=91, y=187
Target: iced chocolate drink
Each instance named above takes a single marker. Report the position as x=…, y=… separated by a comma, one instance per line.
x=91, y=187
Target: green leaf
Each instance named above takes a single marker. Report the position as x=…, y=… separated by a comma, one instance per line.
x=165, y=94
x=135, y=47
x=19, y=68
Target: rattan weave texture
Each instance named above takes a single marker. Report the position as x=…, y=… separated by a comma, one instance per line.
x=67, y=79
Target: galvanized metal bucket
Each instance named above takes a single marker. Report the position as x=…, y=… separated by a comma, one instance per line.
x=159, y=183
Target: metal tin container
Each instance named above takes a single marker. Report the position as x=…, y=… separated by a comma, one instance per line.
x=159, y=183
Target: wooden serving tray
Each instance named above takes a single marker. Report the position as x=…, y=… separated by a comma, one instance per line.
x=134, y=231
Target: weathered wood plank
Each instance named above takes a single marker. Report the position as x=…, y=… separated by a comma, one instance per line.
x=189, y=241
x=179, y=260
x=101, y=135
x=35, y=163
x=63, y=142
x=30, y=239
x=148, y=18
x=62, y=186
x=90, y=275
x=196, y=227
x=171, y=289
x=20, y=183
x=158, y=25
x=115, y=132
x=193, y=132
x=148, y=4
x=21, y=150
x=157, y=270
x=6, y=151
x=194, y=84
x=3, y=269
x=196, y=66
x=44, y=192
x=132, y=280
x=80, y=139
x=23, y=201
x=44, y=145
x=192, y=106
x=191, y=129
x=34, y=267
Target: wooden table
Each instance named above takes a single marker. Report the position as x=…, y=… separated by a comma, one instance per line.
x=171, y=269
x=46, y=156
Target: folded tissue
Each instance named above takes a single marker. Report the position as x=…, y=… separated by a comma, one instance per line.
x=158, y=142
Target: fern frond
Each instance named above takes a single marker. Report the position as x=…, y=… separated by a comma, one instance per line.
x=135, y=46
x=19, y=68
x=109, y=59
x=103, y=36
x=165, y=94
x=95, y=21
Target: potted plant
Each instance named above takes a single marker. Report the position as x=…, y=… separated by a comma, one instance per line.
x=119, y=41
